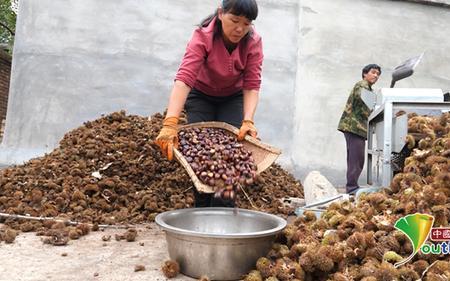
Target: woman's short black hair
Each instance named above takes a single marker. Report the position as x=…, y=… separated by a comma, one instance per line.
x=368, y=67
x=246, y=8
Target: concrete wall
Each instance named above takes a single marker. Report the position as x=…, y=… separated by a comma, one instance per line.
x=5, y=74
x=77, y=59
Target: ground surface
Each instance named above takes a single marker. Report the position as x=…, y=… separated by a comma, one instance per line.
x=88, y=258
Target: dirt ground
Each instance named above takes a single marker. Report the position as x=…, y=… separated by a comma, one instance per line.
x=88, y=258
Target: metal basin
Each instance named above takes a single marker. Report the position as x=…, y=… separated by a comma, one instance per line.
x=221, y=243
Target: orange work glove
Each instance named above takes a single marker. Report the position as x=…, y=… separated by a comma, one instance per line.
x=248, y=127
x=168, y=137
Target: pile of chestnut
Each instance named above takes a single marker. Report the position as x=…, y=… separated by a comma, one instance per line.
x=218, y=159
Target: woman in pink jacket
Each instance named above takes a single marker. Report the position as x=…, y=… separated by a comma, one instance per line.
x=219, y=77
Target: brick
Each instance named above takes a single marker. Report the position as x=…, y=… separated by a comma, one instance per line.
x=5, y=74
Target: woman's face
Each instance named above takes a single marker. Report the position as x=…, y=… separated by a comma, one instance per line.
x=234, y=27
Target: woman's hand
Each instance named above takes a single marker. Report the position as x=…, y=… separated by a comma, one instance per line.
x=167, y=139
x=247, y=128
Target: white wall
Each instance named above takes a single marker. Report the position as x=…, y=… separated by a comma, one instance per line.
x=77, y=59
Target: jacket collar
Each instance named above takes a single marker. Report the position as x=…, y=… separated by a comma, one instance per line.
x=365, y=84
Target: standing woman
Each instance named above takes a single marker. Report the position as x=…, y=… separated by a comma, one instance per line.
x=219, y=78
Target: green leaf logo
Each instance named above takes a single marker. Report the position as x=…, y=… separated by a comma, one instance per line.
x=417, y=227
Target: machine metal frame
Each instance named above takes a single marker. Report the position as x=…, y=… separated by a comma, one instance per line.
x=385, y=114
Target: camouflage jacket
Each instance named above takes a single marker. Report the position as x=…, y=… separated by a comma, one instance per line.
x=355, y=115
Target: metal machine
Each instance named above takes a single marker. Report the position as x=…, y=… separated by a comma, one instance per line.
x=387, y=131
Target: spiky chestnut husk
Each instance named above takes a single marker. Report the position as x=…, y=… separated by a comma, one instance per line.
x=343, y=235
x=253, y=275
x=310, y=216
x=441, y=214
x=351, y=225
x=395, y=183
x=407, y=248
x=347, y=206
x=350, y=256
x=440, y=198
x=298, y=249
x=335, y=220
x=425, y=143
x=335, y=252
x=335, y=206
x=299, y=273
x=283, y=269
x=299, y=221
x=416, y=186
x=410, y=208
x=370, y=226
x=357, y=240
x=407, y=162
x=330, y=212
x=170, y=268
x=386, y=272
x=130, y=235
x=295, y=270
x=320, y=224
x=436, y=277
x=330, y=238
x=306, y=261
x=376, y=198
x=84, y=228
x=323, y=263
x=399, y=236
x=435, y=159
x=407, y=273
x=58, y=225
x=407, y=195
x=443, y=178
x=385, y=223
x=376, y=252
x=352, y=270
x=435, y=170
x=278, y=250
x=9, y=236
x=392, y=257
x=412, y=167
x=289, y=231
x=265, y=266
x=305, y=234
x=74, y=234
x=369, y=236
x=368, y=268
x=27, y=227
x=411, y=177
x=390, y=243
x=440, y=267
x=410, y=141
x=363, y=215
